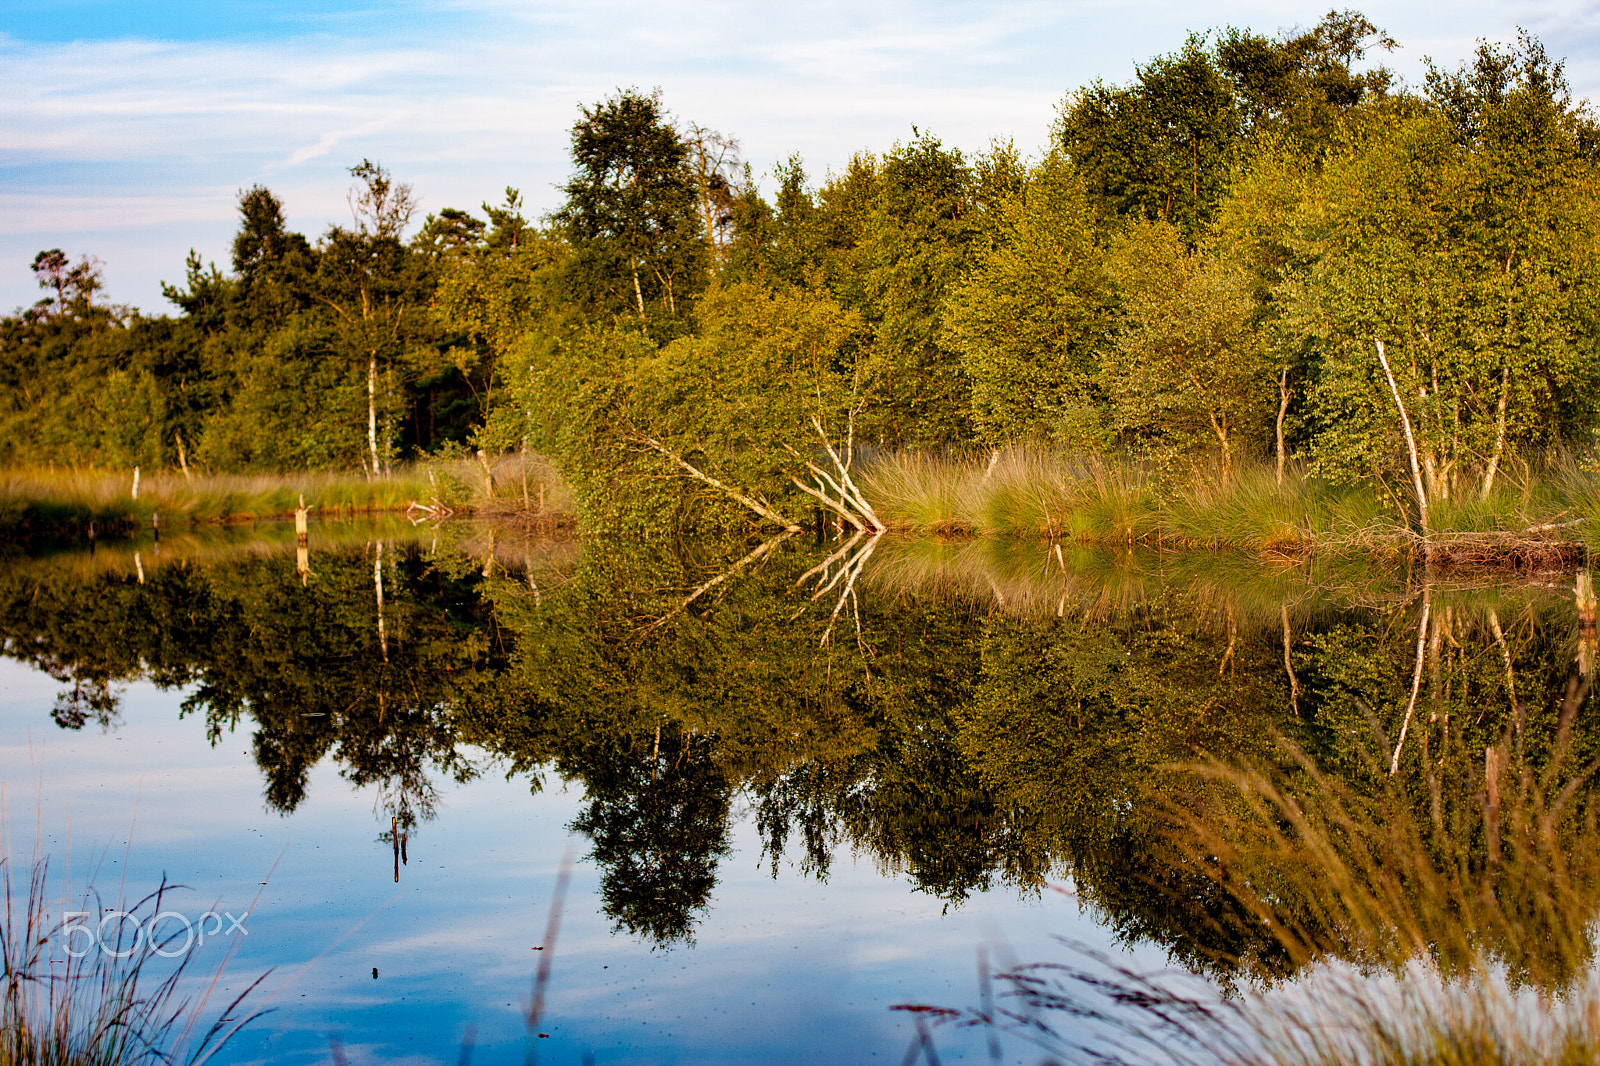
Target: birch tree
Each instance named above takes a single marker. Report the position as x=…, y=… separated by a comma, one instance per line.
x=1464, y=240
x=367, y=279
x=1187, y=369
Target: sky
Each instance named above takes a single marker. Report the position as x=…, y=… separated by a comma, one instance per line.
x=128, y=129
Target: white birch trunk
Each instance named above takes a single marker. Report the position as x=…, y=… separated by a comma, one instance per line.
x=372, y=411
x=1499, y=433
x=1411, y=443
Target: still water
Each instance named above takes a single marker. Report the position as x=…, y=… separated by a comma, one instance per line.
x=800, y=782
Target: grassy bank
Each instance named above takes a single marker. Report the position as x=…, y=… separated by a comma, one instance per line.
x=46, y=503
x=1099, y=501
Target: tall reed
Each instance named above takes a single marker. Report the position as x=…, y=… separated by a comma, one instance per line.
x=66, y=1003
x=1098, y=500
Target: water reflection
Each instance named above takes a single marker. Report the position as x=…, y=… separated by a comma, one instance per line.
x=967, y=714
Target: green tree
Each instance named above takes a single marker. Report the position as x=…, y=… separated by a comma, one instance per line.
x=919, y=236
x=497, y=282
x=632, y=214
x=1031, y=317
x=1187, y=368
x=374, y=288
x=1164, y=147
x=1453, y=280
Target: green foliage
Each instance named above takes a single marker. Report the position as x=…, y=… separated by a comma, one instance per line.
x=631, y=214
x=1195, y=275
x=922, y=231
x=1031, y=317
x=1187, y=369
x=1480, y=280
x=1163, y=148
x=731, y=402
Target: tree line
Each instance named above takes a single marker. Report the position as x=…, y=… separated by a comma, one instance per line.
x=1259, y=248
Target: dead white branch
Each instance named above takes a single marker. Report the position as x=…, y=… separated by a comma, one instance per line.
x=856, y=497
x=1411, y=441
x=765, y=512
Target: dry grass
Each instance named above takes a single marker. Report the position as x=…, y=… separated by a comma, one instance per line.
x=39, y=502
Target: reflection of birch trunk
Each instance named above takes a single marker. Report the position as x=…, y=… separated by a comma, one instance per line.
x=1416, y=676
x=527, y=565
x=1584, y=599
x=1233, y=638
x=1505, y=658
x=377, y=586
x=1491, y=806
x=1288, y=665
x=1411, y=445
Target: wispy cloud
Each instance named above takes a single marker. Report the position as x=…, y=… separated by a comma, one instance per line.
x=104, y=141
x=333, y=138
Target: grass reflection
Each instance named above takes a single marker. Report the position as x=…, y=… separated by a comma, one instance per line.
x=1442, y=915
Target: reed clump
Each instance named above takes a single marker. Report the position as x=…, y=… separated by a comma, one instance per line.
x=1015, y=492
x=1443, y=920
x=1534, y=521
x=64, y=1002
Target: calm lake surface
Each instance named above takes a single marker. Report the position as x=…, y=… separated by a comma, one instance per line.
x=800, y=781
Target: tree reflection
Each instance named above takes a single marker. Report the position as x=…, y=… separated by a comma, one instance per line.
x=1003, y=719
x=660, y=827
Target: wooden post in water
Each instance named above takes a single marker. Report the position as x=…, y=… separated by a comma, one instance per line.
x=136, y=483
x=302, y=551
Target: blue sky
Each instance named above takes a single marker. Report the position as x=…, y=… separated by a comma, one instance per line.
x=127, y=129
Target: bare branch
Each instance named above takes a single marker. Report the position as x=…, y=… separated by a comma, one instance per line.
x=764, y=512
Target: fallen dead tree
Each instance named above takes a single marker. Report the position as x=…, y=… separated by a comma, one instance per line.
x=837, y=491
x=762, y=509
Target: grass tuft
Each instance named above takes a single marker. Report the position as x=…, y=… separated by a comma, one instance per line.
x=98, y=1009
